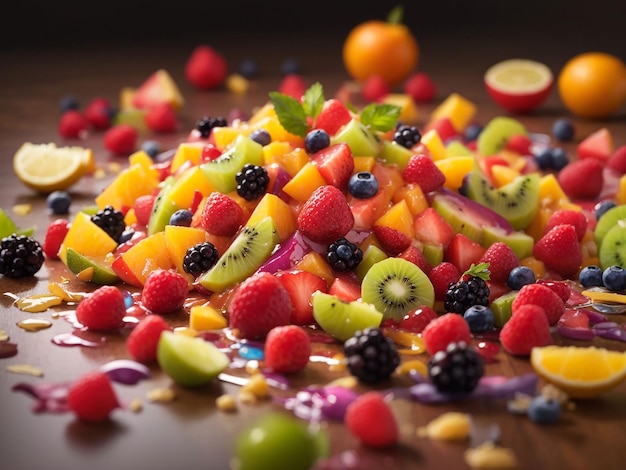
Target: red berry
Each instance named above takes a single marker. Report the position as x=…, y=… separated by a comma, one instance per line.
x=164, y=291
x=560, y=288
x=559, y=250
x=617, y=161
x=206, y=68
x=143, y=340
x=221, y=215
x=543, y=296
x=259, y=304
x=443, y=330
x=143, y=208
x=55, y=234
x=415, y=256
x=161, y=118
x=333, y=116
x=209, y=152
x=527, y=328
x=422, y=170
x=571, y=217
x=98, y=113
x=103, y=310
x=441, y=276
x=374, y=89
x=371, y=420
x=519, y=143
x=73, y=125
x=287, y=349
x=293, y=85
x=335, y=163
x=326, y=215
x=420, y=87
x=300, y=286
x=416, y=320
x=502, y=259
x=121, y=139
x=92, y=397
x=582, y=179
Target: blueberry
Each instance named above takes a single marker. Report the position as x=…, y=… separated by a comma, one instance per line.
x=591, y=276
x=563, y=130
x=261, y=136
x=544, y=159
x=151, y=147
x=249, y=68
x=614, y=278
x=59, y=202
x=290, y=66
x=544, y=410
x=519, y=277
x=472, y=132
x=181, y=217
x=479, y=318
x=363, y=185
x=316, y=140
x=601, y=207
x=559, y=158
x=67, y=103
x=126, y=235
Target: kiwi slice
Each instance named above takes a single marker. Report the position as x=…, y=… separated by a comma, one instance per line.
x=615, y=215
x=163, y=208
x=496, y=133
x=396, y=286
x=520, y=242
x=516, y=201
x=250, y=248
x=612, y=251
x=221, y=171
x=362, y=142
x=342, y=319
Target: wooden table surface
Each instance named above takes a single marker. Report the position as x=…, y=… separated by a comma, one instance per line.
x=190, y=433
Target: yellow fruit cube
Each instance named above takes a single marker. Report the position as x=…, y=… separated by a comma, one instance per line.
x=364, y=163
x=224, y=136
x=503, y=174
x=408, y=108
x=86, y=238
x=414, y=197
x=432, y=141
x=398, y=217
x=274, y=207
x=620, y=197
x=191, y=180
x=458, y=109
x=187, y=152
x=131, y=183
x=316, y=264
x=455, y=169
x=302, y=185
x=293, y=161
x=205, y=317
x=273, y=152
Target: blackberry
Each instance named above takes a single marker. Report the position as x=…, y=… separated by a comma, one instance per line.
x=252, y=181
x=371, y=356
x=111, y=221
x=456, y=369
x=200, y=258
x=206, y=124
x=20, y=256
x=407, y=136
x=343, y=255
x=470, y=290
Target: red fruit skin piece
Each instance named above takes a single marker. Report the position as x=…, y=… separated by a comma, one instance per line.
x=430, y=227
x=333, y=116
x=416, y=320
x=73, y=125
x=420, y=87
x=392, y=241
x=415, y=256
x=143, y=208
x=441, y=276
x=143, y=340
x=92, y=397
x=443, y=330
x=55, y=234
x=519, y=143
x=335, y=163
x=98, y=113
x=502, y=259
x=300, y=286
x=462, y=252
x=371, y=420
x=560, y=251
x=568, y=216
x=374, y=89
x=164, y=291
x=326, y=215
x=287, y=349
x=527, y=328
x=582, y=179
x=345, y=288
x=206, y=68
x=121, y=139
x=421, y=170
x=617, y=161
x=541, y=295
x=221, y=215
x=293, y=85
x=259, y=304
x=161, y=118
x=103, y=310
x=444, y=128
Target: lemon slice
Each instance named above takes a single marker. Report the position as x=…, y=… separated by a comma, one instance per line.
x=46, y=167
x=603, y=296
x=581, y=372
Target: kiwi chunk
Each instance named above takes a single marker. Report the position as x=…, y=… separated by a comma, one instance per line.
x=615, y=215
x=612, y=251
x=496, y=133
x=396, y=286
x=516, y=201
x=341, y=319
x=250, y=248
x=502, y=308
x=163, y=208
x=360, y=139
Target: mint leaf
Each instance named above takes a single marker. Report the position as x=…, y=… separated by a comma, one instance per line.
x=380, y=117
x=290, y=113
x=480, y=270
x=313, y=100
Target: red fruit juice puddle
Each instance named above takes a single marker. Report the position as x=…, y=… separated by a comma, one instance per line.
x=7, y=349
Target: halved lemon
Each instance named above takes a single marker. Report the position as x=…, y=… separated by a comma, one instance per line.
x=46, y=167
x=519, y=85
x=581, y=372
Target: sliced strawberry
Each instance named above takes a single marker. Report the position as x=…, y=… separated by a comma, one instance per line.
x=415, y=256
x=346, y=288
x=335, y=163
x=598, y=144
x=430, y=227
x=367, y=211
x=300, y=285
x=462, y=252
x=333, y=116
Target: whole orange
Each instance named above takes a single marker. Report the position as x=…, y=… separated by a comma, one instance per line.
x=592, y=85
x=384, y=48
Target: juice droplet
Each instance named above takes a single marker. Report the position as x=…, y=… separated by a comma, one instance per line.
x=7, y=349
x=38, y=303
x=488, y=350
x=34, y=324
x=71, y=339
x=413, y=343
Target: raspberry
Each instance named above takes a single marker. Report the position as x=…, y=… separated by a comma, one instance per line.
x=73, y=125
x=103, y=310
x=443, y=330
x=121, y=139
x=617, y=161
x=20, y=256
x=456, y=369
x=520, y=144
x=559, y=250
x=143, y=339
x=543, y=296
x=287, y=349
x=560, y=288
x=374, y=89
x=371, y=355
x=371, y=420
x=164, y=291
x=441, y=276
x=92, y=397
x=293, y=85
x=206, y=68
x=55, y=234
x=422, y=170
x=143, y=208
x=571, y=217
x=98, y=113
x=161, y=118
x=420, y=87
x=221, y=215
x=502, y=259
x=527, y=328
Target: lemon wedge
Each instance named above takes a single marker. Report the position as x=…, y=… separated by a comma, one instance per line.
x=46, y=167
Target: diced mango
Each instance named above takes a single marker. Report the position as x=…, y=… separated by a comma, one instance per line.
x=398, y=217
x=273, y=206
x=414, y=197
x=131, y=183
x=459, y=109
x=302, y=185
x=314, y=263
x=178, y=240
x=86, y=238
x=364, y=163
x=187, y=152
x=408, y=109
x=434, y=144
x=502, y=174
x=455, y=169
x=191, y=180
x=205, y=317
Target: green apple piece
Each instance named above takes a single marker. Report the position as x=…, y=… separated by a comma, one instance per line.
x=393, y=153
x=8, y=227
x=520, y=242
x=362, y=141
x=496, y=133
x=78, y=263
x=190, y=361
x=163, y=208
x=501, y=308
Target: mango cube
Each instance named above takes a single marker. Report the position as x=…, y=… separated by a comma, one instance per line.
x=458, y=109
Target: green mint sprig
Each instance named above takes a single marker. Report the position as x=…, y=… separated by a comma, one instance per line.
x=480, y=270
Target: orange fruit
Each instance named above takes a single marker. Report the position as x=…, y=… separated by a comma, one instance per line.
x=386, y=49
x=592, y=85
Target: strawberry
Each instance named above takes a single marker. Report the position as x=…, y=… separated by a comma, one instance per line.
x=161, y=118
x=421, y=169
x=121, y=139
x=527, y=328
x=617, y=161
x=415, y=256
x=430, y=227
x=333, y=116
x=416, y=320
x=582, y=179
x=441, y=276
x=287, y=349
x=559, y=250
x=391, y=240
x=443, y=330
x=143, y=208
x=543, y=296
x=560, y=288
x=73, y=125
x=420, y=87
x=462, y=251
x=221, y=215
x=571, y=217
x=98, y=113
x=335, y=163
x=444, y=127
x=92, y=397
x=102, y=310
x=259, y=304
x=143, y=339
x=209, y=152
x=55, y=234
x=374, y=89
x=346, y=288
x=371, y=420
x=164, y=291
x=300, y=285
x=293, y=85
x=206, y=68
x=326, y=215
x=502, y=259
x=519, y=143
